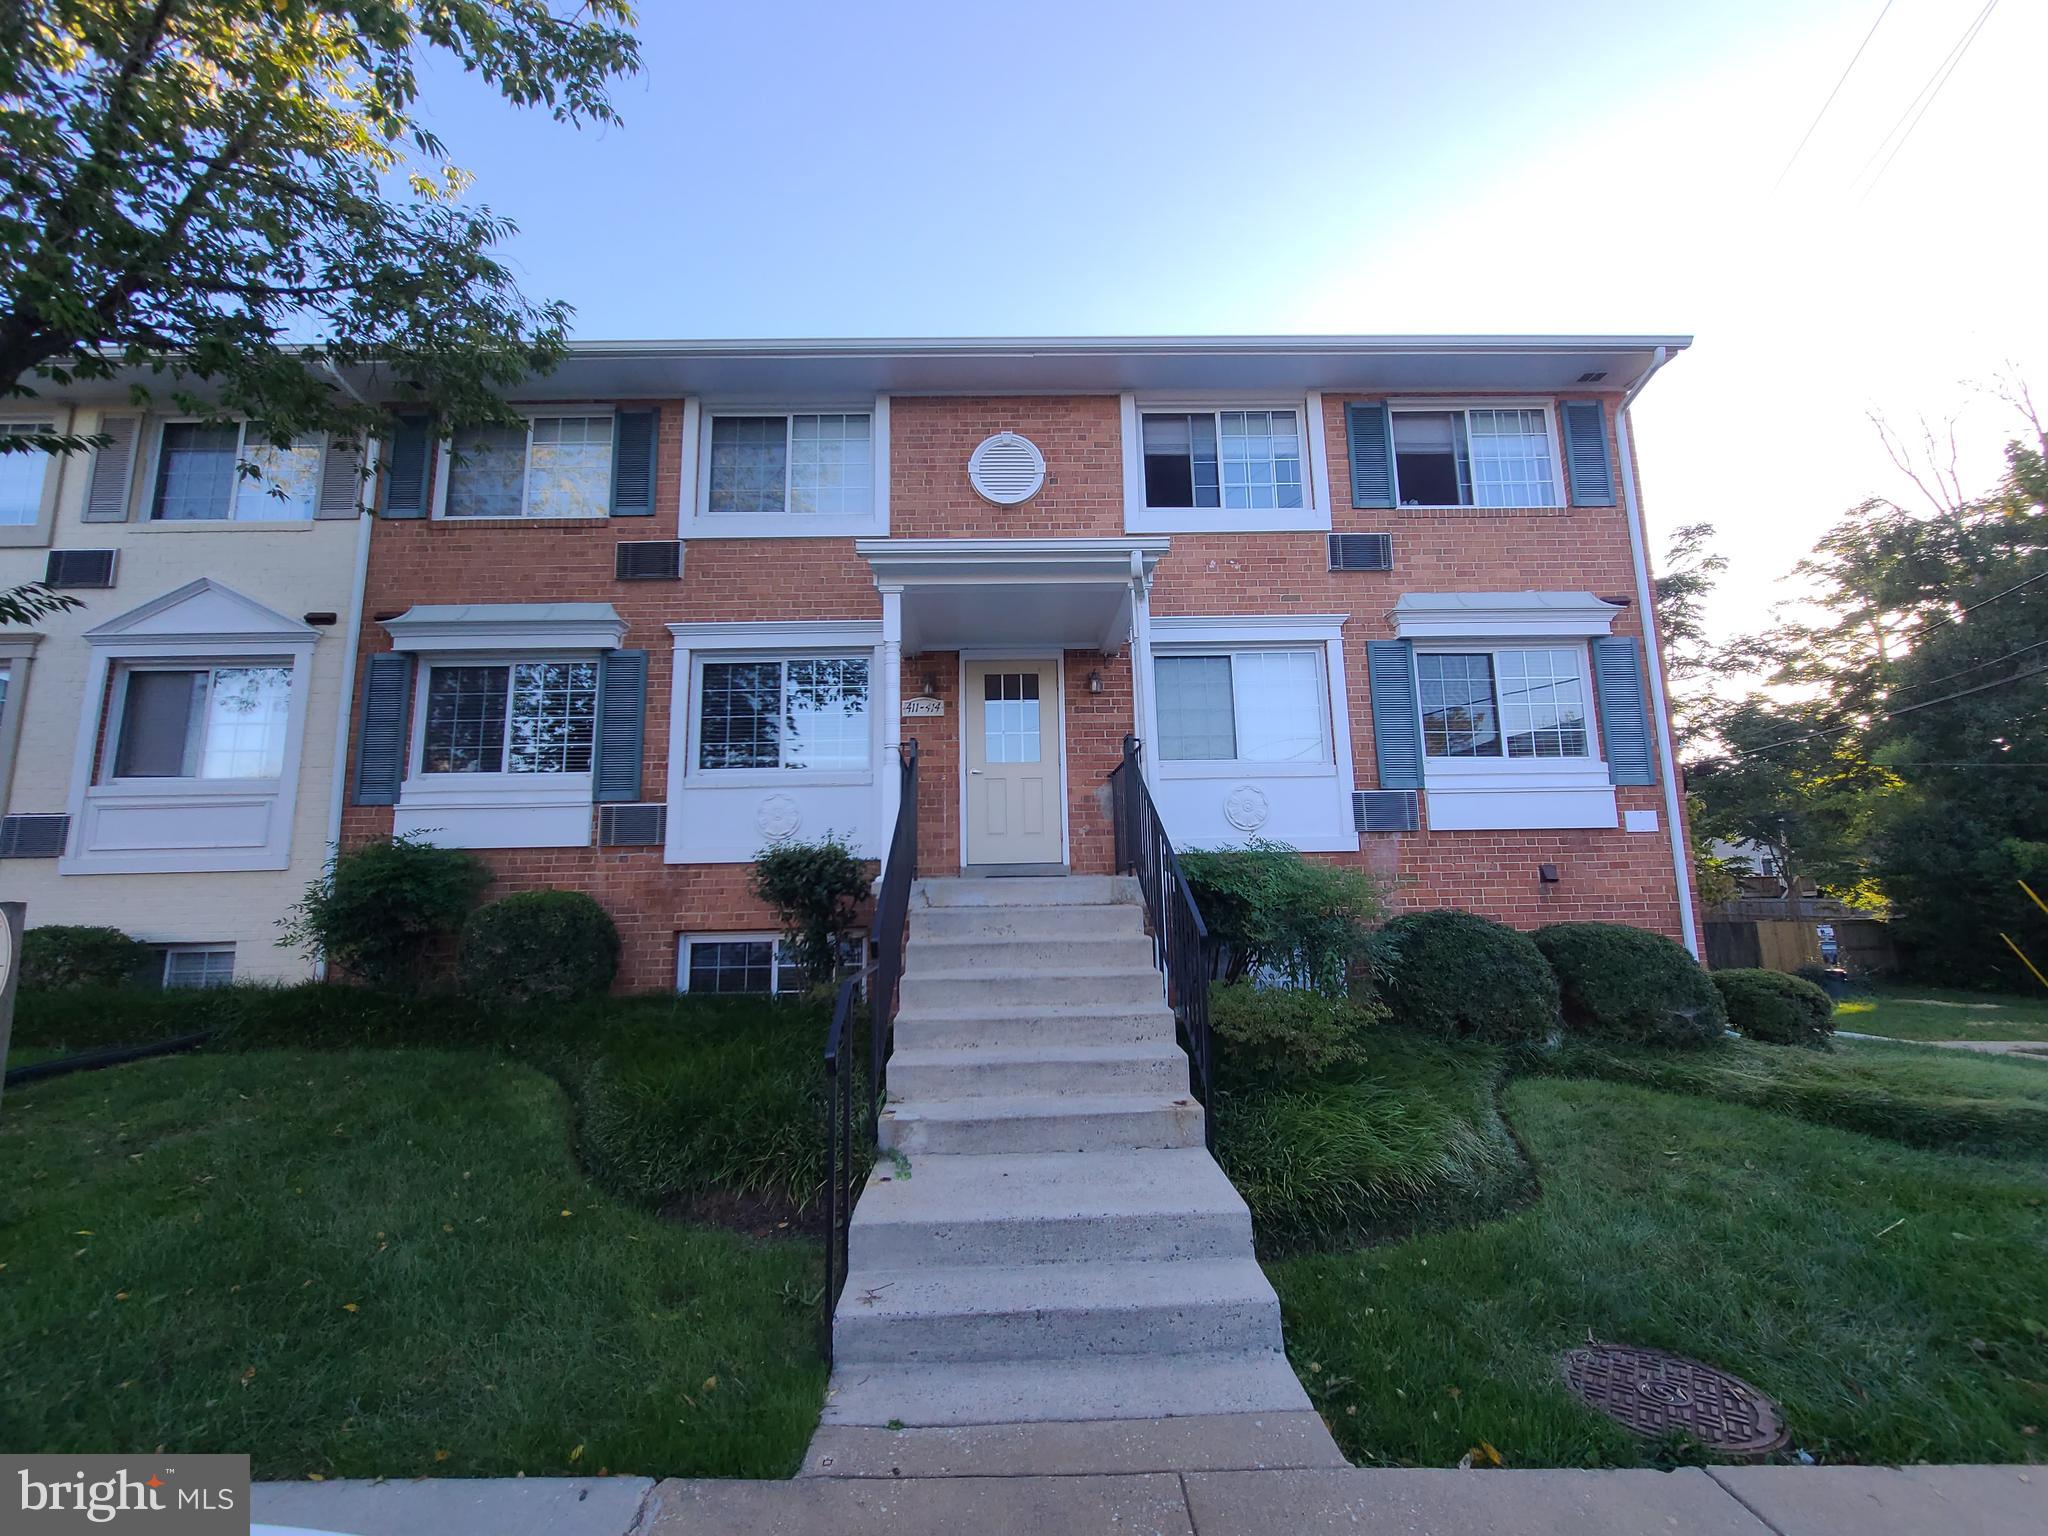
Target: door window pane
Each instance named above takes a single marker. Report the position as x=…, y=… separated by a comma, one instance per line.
x=22, y=476
x=1196, y=722
x=1010, y=719
x=554, y=716
x=749, y=463
x=1279, y=706
x=569, y=467
x=465, y=730
x=485, y=468
x=195, y=471
x=1542, y=703
x=247, y=709
x=160, y=725
x=1458, y=717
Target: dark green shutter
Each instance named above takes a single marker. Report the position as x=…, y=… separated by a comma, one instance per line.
x=621, y=725
x=1624, y=710
x=633, y=464
x=1396, y=719
x=380, y=741
x=1585, y=453
x=406, y=473
x=1371, y=441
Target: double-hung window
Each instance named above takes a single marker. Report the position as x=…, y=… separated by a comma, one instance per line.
x=223, y=722
x=547, y=466
x=510, y=717
x=198, y=475
x=23, y=475
x=808, y=713
x=1226, y=459
x=1244, y=706
x=810, y=464
x=1505, y=703
x=1476, y=456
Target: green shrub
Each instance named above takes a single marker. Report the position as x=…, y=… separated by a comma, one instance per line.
x=1461, y=976
x=1775, y=1008
x=538, y=946
x=74, y=955
x=381, y=911
x=1269, y=910
x=1623, y=983
x=816, y=889
x=1270, y=1034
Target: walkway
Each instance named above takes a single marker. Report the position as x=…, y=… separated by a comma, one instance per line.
x=1727, y=1501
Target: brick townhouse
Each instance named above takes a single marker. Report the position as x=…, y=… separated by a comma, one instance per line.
x=1385, y=600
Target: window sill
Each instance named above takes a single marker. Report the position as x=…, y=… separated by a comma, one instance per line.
x=1244, y=770
x=1458, y=510
x=1226, y=519
x=711, y=525
x=457, y=790
x=182, y=789
x=1515, y=773
x=581, y=520
x=784, y=778
x=224, y=525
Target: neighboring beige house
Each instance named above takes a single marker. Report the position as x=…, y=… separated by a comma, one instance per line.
x=168, y=750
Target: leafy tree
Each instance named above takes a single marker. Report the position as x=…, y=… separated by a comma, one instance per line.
x=817, y=889
x=25, y=604
x=241, y=196
x=1692, y=569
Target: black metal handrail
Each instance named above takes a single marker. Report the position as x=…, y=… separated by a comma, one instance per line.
x=850, y=1123
x=1180, y=939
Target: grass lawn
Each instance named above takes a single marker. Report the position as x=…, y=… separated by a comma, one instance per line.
x=376, y=1263
x=1892, y=1300
x=1918, y=1094
x=1904, y=1011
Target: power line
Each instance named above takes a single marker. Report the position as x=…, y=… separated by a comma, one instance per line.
x=1942, y=620
x=1930, y=91
x=1975, y=666
x=1893, y=714
x=1823, y=112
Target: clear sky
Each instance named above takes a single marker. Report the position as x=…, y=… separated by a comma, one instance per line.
x=887, y=169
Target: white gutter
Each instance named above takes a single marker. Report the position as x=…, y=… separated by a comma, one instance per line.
x=352, y=635
x=1646, y=603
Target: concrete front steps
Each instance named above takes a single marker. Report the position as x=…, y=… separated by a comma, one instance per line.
x=1062, y=1247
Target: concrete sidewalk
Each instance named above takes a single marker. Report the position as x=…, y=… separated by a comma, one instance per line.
x=1726, y=1501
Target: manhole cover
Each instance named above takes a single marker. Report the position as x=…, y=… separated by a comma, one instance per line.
x=1654, y=1393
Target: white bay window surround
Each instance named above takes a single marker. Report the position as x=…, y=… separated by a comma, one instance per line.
x=1248, y=733
x=190, y=737
x=810, y=471
x=1514, y=710
x=507, y=704
x=1233, y=465
x=775, y=733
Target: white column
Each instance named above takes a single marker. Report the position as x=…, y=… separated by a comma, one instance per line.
x=1144, y=722
x=889, y=700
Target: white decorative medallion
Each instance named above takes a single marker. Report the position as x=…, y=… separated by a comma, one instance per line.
x=1247, y=808
x=1006, y=469
x=778, y=817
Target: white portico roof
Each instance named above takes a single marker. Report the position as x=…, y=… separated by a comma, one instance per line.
x=1072, y=593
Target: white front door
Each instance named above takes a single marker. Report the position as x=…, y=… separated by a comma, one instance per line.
x=1012, y=725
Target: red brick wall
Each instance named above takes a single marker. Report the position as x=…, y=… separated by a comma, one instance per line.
x=1605, y=874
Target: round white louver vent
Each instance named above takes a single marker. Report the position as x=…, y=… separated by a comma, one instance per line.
x=1006, y=469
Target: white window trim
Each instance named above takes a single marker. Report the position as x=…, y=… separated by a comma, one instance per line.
x=778, y=777
x=444, y=463
x=488, y=788
x=17, y=656
x=699, y=521
x=143, y=509
x=37, y=534
x=1186, y=634
x=723, y=640
x=685, y=940
x=1313, y=516
x=1480, y=403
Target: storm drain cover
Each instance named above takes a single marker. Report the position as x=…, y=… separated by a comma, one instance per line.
x=1654, y=1394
